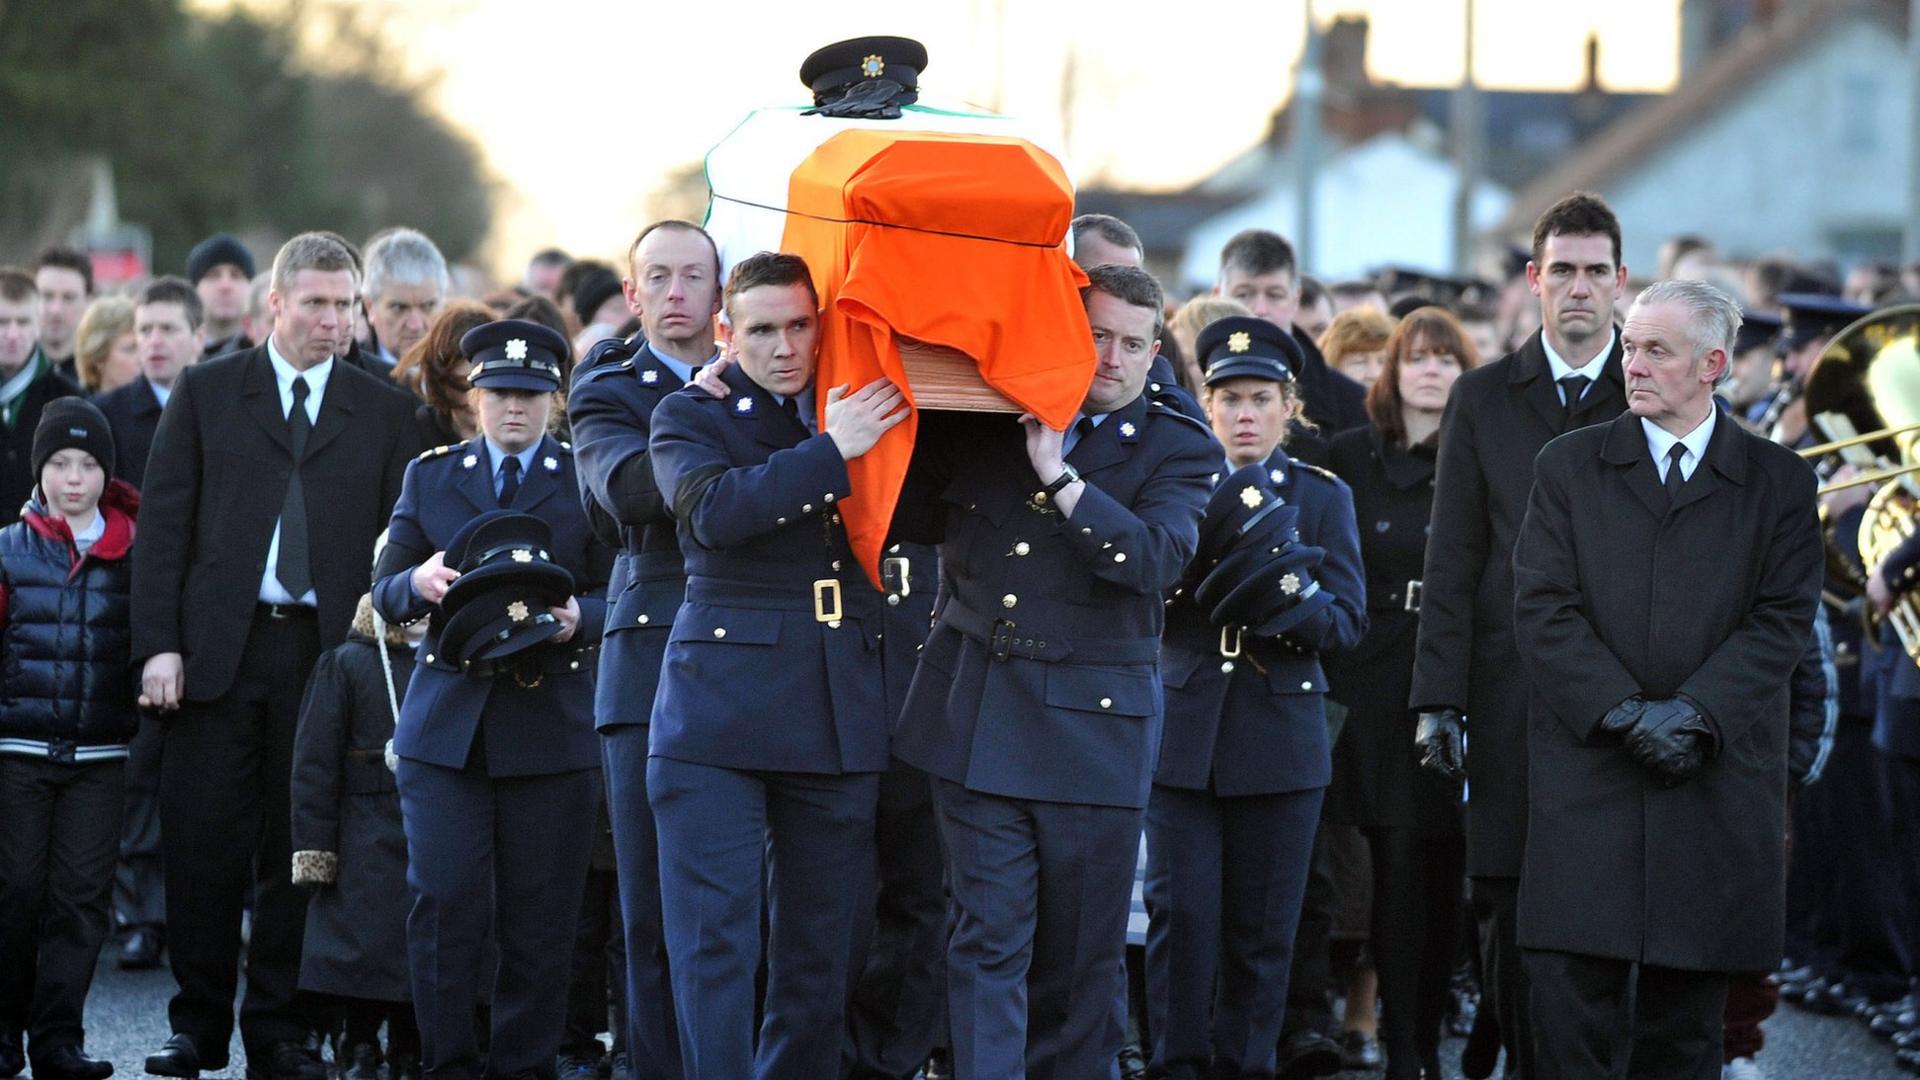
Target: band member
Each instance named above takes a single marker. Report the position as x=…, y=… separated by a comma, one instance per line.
x=1245, y=759
x=769, y=727
x=499, y=768
x=1666, y=579
x=1057, y=548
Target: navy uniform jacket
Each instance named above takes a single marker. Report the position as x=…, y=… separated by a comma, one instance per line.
x=752, y=679
x=1040, y=678
x=611, y=406
x=1234, y=728
x=527, y=731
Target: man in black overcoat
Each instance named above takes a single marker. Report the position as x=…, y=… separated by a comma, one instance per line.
x=272, y=471
x=1466, y=673
x=1666, y=580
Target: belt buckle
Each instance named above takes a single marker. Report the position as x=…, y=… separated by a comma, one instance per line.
x=1000, y=642
x=826, y=591
x=278, y=611
x=894, y=573
x=1237, y=639
x=1413, y=596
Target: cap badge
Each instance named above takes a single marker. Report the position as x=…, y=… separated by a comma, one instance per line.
x=649, y=376
x=522, y=555
x=744, y=405
x=1290, y=584
x=1251, y=496
x=517, y=349
x=873, y=66
x=469, y=461
x=1127, y=428
x=551, y=464
x=1239, y=341
x=517, y=611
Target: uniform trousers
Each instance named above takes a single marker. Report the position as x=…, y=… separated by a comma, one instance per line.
x=226, y=826
x=1902, y=778
x=506, y=854
x=898, y=1013
x=1592, y=1015
x=1503, y=978
x=730, y=838
x=57, y=850
x=1036, y=962
x=652, y=1036
x=1867, y=910
x=139, y=886
x=1225, y=877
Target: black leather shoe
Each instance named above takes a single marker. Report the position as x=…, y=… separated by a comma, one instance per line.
x=285, y=1061
x=141, y=950
x=1482, y=1051
x=1357, y=1051
x=1798, y=992
x=68, y=1063
x=11, y=1058
x=1307, y=1053
x=177, y=1057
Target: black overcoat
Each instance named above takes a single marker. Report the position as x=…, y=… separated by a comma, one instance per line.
x=1497, y=419
x=1618, y=594
x=1378, y=781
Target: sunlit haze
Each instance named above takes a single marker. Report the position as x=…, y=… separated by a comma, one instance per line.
x=583, y=107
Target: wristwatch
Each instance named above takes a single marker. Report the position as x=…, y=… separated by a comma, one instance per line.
x=1068, y=474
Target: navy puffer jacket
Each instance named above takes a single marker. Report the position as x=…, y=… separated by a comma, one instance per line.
x=66, y=651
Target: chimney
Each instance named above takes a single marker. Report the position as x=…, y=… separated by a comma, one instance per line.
x=1592, y=84
x=1343, y=58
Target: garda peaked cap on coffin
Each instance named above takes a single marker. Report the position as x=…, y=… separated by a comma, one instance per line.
x=830, y=72
x=514, y=354
x=1241, y=346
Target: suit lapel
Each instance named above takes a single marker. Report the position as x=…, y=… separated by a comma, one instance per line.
x=539, y=482
x=476, y=475
x=1626, y=447
x=1608, y=396
x=1112, y=441
x=261, y=396
x=1535, y=375
x=1725, y=461
x=753, y=405
x=654, y=373
x=336, y=408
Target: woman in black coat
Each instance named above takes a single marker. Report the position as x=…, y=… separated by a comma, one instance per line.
x=1411, y=815
x=348, y=841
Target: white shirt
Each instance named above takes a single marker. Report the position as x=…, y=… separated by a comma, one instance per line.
x=1660, y=441
x=160, y=393
x=1560, y=369
x=1072, y=438
x=680, y=367
x=284, y=373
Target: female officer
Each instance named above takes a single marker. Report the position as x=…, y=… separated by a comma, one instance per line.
x=499, y=765
x=1236, y=796
x=1411, y=815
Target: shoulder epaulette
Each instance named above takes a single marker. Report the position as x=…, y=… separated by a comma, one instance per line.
x=1316, y=469
x=565, y=445
x=440, y=451
x=608, y=368
x=1163, y=407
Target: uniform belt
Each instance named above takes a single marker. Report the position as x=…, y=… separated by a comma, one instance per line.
x=530, y=667
x=827, y=599
x=1005, y=638
x=285, y=611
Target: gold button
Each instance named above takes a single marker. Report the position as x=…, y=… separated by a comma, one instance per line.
x=1106, y=703
x=1009, y=600
x=1119, y=556
x=1226, y=666
x=719, y=631
x=644, y=619
x=806, y=508
x=1021, y=548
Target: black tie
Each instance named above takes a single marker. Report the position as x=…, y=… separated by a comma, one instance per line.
x=292, y=568
x=1675, y=477
x=1572, y=386
x=791, y=407
x=1083, y=430
x=509, y=480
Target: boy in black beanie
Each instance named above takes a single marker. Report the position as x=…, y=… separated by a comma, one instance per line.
x=66, y=712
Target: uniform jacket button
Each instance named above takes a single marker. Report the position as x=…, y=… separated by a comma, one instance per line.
x=893, y=599
x=1308, y=685
x=1021, y=547
x=1119, y=556
x=1009, y=600
x=1106, y=703
x=719, y=631
x=643, y=620
x=828, y=496
x=806, y=508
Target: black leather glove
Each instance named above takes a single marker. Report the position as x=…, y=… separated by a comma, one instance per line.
x=1620, y=719
x=1441, y=735
x=1670, y=740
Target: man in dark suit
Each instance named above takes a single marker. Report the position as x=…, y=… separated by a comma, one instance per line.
x=1036, y=705
x=1666, y=579
x=27, y=382
x=166, y=319
x=1257, y=268
x=1466, y=671
x=674, y=283
x=272, y=471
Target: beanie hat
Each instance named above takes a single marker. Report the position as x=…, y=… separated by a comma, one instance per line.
x=594, y=288
x=215, y=250
x=72, y=423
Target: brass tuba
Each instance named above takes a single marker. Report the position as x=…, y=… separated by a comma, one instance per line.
x=1864, y=394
